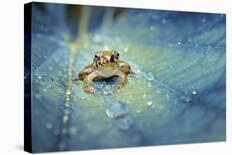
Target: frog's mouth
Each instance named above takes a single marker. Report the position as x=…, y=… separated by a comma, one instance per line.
x=108, y=70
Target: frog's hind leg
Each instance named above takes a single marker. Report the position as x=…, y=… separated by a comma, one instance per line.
x=123, y=80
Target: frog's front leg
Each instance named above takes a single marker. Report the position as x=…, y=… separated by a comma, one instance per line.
x=87, y=80
x=123, y=80
x=125, y=67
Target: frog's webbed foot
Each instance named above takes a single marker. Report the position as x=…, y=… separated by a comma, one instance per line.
x=89, y=89
x=86, y=82
x=116, y=88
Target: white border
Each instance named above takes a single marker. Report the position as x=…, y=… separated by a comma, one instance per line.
x=11, y=82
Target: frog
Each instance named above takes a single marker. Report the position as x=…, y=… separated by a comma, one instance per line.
x=106, y=64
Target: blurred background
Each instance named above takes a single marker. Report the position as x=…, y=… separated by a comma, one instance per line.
x=177, y=96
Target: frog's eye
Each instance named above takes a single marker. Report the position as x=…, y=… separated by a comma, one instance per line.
x=95, y=56
x=117, y=55
x=112, y=58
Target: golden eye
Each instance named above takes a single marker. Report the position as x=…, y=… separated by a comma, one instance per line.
x=96, y=57
x=117, y=56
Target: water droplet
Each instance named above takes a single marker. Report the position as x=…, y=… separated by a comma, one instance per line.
x=107, y=90
x=48, y=125
x=116, y=110
x=150, y=76
x=203, y=20
x=97, y=38
x=39, y=77
x=164, y=21
x=194, y=92
x=149, y=103
x=68, y=92
x=152, y=28
x=125, y=49
x=185, y=98
x=38, y=35
x=67, y=104
x=37, y=96
x=99, y=86
x=65, y=119
x=57, y=60
x=50, y=68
